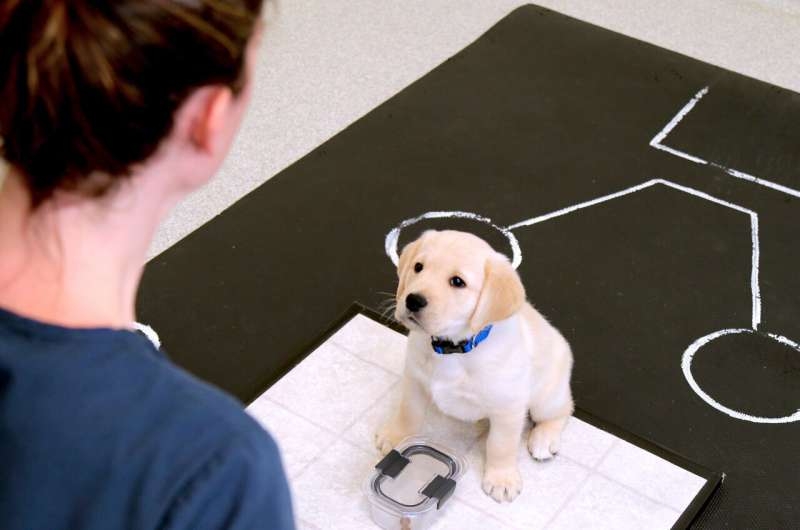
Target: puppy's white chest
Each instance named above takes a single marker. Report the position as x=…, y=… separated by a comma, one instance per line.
x=456, y=392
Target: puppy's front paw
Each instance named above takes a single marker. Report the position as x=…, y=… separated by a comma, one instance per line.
x=388, y=437
x=502, y=484
x=544, y=442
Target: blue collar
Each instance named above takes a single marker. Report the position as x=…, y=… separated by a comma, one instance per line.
x=445, y=347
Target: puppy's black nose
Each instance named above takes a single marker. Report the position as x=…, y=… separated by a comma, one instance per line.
x=415, y=302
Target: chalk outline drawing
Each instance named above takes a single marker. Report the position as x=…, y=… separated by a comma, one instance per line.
x=394, y=234
x=686, y=360
x=658, y=139
x=686, y=366
x=390, y=243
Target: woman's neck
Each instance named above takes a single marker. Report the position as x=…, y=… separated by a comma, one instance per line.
x=74, y=262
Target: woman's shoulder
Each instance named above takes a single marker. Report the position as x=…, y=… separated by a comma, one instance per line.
x=189, y=404
x=109, y=412
x=74, y=386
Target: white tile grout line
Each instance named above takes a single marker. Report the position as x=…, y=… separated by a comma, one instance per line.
x=370, y=408
x=315, y=424
x=611, y=447
x=483, y=512
x=337, y=437
x=640, y=494
x=364, y=411
x=615, y=444
x=657, y=140
x=567, y=501
x=354, y=354
x=595, y=471
x=591, y=471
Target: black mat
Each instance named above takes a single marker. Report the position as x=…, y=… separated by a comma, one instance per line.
x=541, y=113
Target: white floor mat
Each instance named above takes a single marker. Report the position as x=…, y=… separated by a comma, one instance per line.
x=324, y=412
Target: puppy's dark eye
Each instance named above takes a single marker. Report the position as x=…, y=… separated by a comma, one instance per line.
x=418, y=267
x=455, y=281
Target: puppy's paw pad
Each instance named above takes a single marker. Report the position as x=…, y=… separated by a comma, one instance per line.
x=544, y=444
x=502, y=485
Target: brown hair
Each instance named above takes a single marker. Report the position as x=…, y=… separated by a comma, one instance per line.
x=90, y=87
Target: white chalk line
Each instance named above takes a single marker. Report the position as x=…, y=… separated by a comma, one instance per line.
x=681, y=154
x=658, y=139
x=393, y=236
x=390, y=243
x=755, y=287
x=686, y=366
x=148, y=332
x=662, y=134
x=769, y=184
x=580, y=206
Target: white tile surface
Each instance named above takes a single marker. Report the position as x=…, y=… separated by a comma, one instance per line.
x=361, y=433
x=459, y=516
x=546, y=485
x=650, y=475
x=324, y=414
x=370, y=341
x=328, y=493
x=604, y=505
x=300, y=441
x=332, y=387
x=584, y=443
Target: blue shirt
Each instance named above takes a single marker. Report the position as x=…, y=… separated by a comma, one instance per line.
x=98, y=430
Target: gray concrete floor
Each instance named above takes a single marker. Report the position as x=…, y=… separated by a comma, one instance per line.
x=325, y=63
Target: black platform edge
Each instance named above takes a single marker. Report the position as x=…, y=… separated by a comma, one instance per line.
x=354, y=309
x=713, y=478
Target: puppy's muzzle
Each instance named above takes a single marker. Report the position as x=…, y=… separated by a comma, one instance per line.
x=415, y=302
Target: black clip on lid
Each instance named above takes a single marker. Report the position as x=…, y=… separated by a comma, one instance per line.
x=392, y=464
x=440, y=488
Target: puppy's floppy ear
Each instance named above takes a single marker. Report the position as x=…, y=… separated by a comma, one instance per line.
x=404, y=264
x=502, y=294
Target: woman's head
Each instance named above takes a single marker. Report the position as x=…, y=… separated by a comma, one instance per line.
x=91, y=88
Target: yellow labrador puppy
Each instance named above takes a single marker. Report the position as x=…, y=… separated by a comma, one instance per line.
x=478, y=350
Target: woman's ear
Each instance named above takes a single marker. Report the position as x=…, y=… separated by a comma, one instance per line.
x=205, y=125
x=208, y=119
x=502, y=294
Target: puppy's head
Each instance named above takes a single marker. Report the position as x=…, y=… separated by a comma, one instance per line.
x=453, y=284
